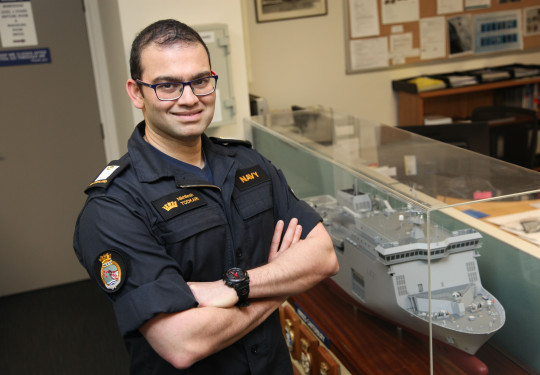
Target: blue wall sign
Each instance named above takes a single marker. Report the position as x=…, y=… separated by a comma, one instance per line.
x=25, y=57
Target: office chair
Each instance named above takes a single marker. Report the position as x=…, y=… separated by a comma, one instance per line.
x=513, y=133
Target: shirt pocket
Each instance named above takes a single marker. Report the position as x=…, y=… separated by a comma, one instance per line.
x=191, y=223
x=254, y=201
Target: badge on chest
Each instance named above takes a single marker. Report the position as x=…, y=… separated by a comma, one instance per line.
x=177, y=203
x=249, y=177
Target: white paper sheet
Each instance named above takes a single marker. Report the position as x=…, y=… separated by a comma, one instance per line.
x=364, y=18
x=400, y=11
x=432, y=38
x=449, y=6
x=512, y=223
x=369, y=53
x=17, y=26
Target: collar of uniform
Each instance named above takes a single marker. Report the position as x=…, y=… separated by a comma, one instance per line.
x=150, y=167
x=220, y=159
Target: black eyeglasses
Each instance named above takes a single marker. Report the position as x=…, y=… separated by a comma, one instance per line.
x=174, y=90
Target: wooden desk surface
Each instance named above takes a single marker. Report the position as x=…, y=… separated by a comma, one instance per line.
x=493, y=208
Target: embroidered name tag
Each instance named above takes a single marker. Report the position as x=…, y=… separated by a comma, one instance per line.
x=250, y=177
x=177, y=203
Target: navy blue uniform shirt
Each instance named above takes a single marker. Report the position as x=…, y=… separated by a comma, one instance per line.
x=149, y=226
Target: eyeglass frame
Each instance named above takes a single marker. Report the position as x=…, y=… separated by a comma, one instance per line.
x=184, y=84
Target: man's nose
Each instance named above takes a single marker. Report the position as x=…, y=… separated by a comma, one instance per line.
x=188, y=97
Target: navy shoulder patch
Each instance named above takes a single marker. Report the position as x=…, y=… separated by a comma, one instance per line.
x=108, y=174
x=229, y=141
x=110, y=270
x=178, y=202
x=249, y=177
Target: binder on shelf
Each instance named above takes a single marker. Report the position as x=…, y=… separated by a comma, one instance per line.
x=423, y=83
x=490, y=74
x=418, y=84
x=458, y=79
x=522, y=70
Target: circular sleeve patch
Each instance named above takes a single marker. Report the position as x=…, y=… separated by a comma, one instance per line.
x=110, y=271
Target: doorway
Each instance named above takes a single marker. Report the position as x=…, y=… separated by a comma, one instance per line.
x=51, y=146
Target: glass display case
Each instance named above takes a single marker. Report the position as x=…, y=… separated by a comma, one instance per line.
x=432, y=237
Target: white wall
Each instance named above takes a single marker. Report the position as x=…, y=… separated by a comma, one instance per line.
x=302, y=61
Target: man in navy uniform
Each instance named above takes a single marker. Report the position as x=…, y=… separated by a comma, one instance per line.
x=193, y=227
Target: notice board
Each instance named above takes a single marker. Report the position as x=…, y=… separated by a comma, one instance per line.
x=391, y=33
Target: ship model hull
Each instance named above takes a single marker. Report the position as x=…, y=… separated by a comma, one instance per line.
x=384, y=254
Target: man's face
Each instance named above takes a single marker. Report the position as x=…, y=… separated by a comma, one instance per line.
x=186, y=118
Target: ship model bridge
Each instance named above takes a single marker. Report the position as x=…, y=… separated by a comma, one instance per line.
x=400, y=236
x=458, y=241
x=388, y=235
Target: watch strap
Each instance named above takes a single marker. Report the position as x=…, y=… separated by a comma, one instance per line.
x=242, y=290
x=240, y=286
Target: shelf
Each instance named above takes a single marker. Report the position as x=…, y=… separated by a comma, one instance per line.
x=479, y=87
x=456, y=102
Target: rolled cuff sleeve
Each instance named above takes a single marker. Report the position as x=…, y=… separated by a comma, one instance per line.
x=168, y=294
x=306, y=215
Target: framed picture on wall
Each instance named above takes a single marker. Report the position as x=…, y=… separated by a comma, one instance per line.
x=276, y=10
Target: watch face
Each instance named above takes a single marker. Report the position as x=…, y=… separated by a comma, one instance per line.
x=236, y=274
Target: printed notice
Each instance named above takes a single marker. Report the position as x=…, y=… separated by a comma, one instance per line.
x=449, y=6
x=432, y=38
x=460, y=35
x=25, y=57
x=400, y=11
x=369, y=53
x=495, y=32
x=532, y=21
x=17, y=26
x=364, y=18
x=401, y=47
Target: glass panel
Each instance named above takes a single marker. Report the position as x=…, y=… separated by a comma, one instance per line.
x=407, y=215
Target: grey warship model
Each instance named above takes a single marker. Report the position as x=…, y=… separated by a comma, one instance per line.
x=383, y=253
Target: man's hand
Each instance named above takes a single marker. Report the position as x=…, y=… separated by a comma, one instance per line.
x=292, y=236
x=217, y=294
x=214, y=293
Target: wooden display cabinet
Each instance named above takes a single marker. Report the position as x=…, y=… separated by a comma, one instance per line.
x=366, y=344
x=457, y=102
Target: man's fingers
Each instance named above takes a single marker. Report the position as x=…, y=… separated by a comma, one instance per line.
x=276, y=238
x=297, y=234
x=289, y=234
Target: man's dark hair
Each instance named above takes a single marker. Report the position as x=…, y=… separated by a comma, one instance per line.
x=165, y=33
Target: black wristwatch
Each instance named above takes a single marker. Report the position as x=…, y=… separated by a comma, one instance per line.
x=238, y=279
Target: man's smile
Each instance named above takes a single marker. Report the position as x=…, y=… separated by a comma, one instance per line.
x=189, y=115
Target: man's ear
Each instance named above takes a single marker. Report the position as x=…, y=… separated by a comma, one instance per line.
x=134, y=93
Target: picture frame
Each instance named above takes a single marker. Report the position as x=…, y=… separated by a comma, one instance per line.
x=278, y=10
